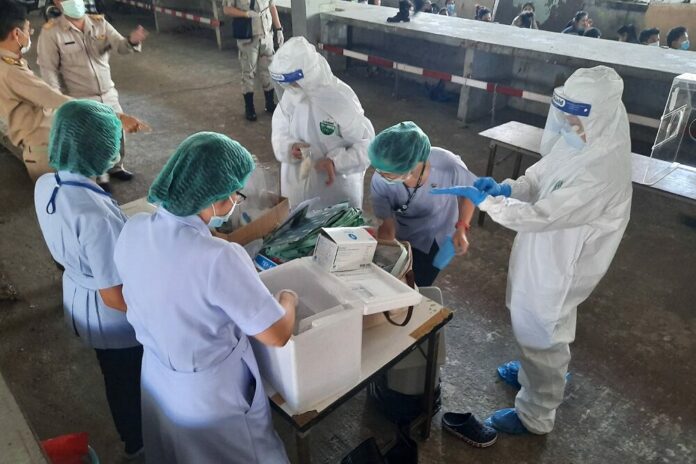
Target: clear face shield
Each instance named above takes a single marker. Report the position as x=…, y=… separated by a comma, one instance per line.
x=567, y=120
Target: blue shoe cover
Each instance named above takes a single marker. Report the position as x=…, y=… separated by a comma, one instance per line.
x=510, y=370
x=506, y=421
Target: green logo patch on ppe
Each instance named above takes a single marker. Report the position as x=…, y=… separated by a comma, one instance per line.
x=557, y=185
x=327, y=127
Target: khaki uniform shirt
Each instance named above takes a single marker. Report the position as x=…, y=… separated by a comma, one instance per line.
x=26, y=101
x=77, y=61
x=261, y=26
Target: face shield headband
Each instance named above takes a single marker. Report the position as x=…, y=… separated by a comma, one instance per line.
x=287, y=78
x=570, y=107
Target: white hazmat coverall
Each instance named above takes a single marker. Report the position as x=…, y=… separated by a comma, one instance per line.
x=570, y=211
x=320, y=110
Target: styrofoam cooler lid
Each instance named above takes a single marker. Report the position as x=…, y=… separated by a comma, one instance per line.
x=379, y=290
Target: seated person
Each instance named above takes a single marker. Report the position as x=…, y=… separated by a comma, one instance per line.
x=483, y=14
x=525, y=20
x=578, y=24
x=627, y=33
x=451, y=8
x=678, y=39
x=527, y=10
x=650, y=37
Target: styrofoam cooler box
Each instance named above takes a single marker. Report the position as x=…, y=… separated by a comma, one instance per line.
x=322, y=358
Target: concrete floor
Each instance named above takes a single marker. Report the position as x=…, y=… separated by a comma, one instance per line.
x=631, y=398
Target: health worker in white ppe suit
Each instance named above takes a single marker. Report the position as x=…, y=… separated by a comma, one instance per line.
x=320, y=133
x=570, y=211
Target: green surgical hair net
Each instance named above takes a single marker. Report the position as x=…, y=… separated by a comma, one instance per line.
x=399, y=148
x=206, y=167
x=85, y=138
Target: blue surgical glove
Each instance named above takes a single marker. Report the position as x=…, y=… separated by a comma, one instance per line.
x=474, y=195
x=491, y=187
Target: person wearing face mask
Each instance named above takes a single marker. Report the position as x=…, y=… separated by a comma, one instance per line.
x=194, y=300
x=319, y=133
x=570, y=211
x=650, y=37
x=26, y=102
x=451, y=8
x=407, y=167
x=80, y=223
x=73, y=53
x=678, y=39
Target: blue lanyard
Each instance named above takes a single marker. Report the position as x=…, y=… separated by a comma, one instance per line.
x=51, y=206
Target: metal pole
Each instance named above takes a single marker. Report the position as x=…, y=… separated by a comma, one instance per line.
x=218, y=35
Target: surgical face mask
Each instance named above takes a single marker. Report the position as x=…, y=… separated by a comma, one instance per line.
x=685, y=44
x=218, y=221
x=654, y=44
x=24, y=49
x=74, y=8
x=450, y=9
x=572, y=138
x=397, y=181
x=394, y=180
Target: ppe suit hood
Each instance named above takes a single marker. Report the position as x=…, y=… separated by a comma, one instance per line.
x=298, y=61
x=606, y=126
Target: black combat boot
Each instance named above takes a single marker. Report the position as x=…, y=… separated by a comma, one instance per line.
x=270, y=100
x=402, y=15
x=249, y=106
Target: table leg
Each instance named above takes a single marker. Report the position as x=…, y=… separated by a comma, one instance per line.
x=489, y=173
x=304, y=455
x=154, y=15
x=518, y=166
x=430, y=379
x=395, y=94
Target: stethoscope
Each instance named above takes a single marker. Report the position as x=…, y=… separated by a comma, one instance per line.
x=51, y=206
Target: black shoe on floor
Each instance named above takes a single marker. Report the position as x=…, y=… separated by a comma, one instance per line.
x=121, y=174
x=269, y=96
x=132, y=455
x=469, y=429
x=105, y=186
x=249, y=110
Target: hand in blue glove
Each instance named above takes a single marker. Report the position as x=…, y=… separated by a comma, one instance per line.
x=474, y=195
x=491, y=187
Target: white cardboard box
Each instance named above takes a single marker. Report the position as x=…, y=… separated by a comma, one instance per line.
x=344, y=248
x=324, y=357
